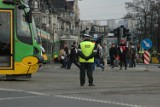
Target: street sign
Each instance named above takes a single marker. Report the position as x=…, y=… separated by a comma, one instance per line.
x=95, y=36
x=146, y=44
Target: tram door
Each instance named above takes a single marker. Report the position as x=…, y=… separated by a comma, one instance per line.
x=6, y=39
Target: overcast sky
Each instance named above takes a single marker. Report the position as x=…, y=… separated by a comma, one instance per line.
x=102, y=9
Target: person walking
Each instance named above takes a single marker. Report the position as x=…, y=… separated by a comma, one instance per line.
x=62, y=58
x=122, y=51
x=73, y=57
x=66, y=49
x=113, y=54
x=98, y=57
x=86, y=52
x=105, y=53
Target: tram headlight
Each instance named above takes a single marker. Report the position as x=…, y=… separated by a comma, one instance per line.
x=30, y=60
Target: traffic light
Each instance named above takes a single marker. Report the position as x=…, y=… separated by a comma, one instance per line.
x=122, y=32
x=116, y=32
x=125, y=32
x=128, y=35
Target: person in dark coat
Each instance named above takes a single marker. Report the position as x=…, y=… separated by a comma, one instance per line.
x=132, y=56
x=122, y=51
x=73, y=57
x=66, y=49
x=113, y=54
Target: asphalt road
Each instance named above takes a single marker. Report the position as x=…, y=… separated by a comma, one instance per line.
x=53, y=86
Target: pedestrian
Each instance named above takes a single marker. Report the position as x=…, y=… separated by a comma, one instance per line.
x=66, y=49
x=105, y=54
x=129, y=56
x=98, y=58
x=122, y=51
x=113, y=54
x=159, y=58
x=132, y=56
x=86, y=52
x=62, y=58
x=75, y=45
x=73, y=57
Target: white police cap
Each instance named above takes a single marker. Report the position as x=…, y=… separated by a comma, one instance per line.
x=86, y=35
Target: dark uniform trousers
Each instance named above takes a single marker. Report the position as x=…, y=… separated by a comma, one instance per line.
x=123, y=60
x=86, y=67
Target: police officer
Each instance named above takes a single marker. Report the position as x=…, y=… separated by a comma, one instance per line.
x=86, y=53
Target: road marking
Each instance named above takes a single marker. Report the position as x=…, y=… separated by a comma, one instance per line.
x=62, y=96
x=29, y=92
x=13, y=98
x=36, y=93
x=99, y=101
x=24, y=97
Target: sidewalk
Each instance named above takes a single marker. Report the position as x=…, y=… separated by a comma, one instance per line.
x=139, y=67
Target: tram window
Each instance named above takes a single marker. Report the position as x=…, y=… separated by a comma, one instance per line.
x=23, y=29
x=5, y=32
x=35, y=32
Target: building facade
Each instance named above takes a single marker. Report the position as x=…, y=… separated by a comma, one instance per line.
x=60, y=18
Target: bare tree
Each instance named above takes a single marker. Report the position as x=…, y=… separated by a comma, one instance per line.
x=147, y=14
x=157, y=15
x=140, y=10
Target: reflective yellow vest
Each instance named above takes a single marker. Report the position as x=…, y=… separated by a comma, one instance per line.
x=87, y=48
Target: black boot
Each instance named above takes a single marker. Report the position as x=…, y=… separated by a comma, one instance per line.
x=91, y=84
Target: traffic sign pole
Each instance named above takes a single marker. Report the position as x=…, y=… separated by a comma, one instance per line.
x=146, y=59
x=146, y=44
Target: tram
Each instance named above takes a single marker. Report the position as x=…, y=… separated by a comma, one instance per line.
x=46, y=45
x=20, y=52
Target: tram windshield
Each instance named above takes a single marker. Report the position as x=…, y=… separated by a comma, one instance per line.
x=23, y=29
